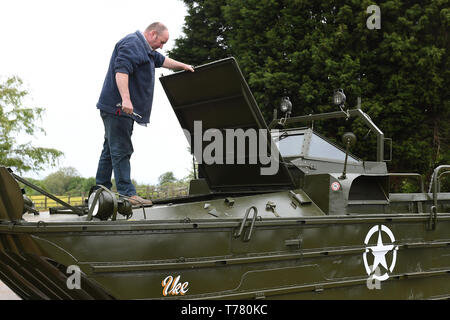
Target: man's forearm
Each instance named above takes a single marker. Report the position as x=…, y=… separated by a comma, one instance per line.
x=122, y=85
x=176, y=65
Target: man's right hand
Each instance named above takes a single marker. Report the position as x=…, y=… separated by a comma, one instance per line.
x=127, y=106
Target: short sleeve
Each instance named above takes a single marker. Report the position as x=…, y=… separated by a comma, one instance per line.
x=159, y=59
x=126, y=59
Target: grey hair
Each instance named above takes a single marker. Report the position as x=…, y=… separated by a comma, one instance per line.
x=156, y=26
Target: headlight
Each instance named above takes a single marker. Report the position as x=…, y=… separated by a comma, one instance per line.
x=104, y=206
x=339, y=97
x=285, y=105
x=107, y=205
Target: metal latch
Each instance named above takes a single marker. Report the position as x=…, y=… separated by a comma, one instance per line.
x=293, y=242
x=300, y=199
x=270, y=205
x=229, y=202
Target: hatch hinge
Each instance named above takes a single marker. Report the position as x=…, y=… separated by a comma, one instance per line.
x=260, y=296
x=293, y=242
x=318, y=288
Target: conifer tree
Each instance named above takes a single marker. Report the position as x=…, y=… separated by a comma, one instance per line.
x=306, y=49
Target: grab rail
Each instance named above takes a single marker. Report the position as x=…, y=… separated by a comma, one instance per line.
x=406, y=175
x=434, y=187
x=244, y=221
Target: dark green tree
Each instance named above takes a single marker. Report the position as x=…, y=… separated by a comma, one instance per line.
x=204, y=33
x=306, y=49
x=17, y=119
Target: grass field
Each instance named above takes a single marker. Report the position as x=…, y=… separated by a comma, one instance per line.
x=42, y=202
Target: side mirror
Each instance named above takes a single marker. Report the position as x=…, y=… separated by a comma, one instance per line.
x=349, y=139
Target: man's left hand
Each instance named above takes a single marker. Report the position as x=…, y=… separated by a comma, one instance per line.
x=188, y=68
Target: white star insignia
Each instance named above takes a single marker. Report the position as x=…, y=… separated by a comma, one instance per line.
x=379, y=252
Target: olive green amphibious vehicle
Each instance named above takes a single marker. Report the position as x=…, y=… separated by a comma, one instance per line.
x=275, y=213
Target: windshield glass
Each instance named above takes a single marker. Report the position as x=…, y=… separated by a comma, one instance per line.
x=306, y=143
x=319, y=148
x=291, y=146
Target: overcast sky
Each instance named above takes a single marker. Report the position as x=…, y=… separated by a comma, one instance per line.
x=61, y=50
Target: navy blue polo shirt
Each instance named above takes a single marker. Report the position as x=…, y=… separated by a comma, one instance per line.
x=132, y=55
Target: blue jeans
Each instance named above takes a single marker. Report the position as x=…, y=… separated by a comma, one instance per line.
x=116, y=153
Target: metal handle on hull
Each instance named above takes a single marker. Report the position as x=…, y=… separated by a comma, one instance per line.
x=434, y=188
x=244, y=221
x=433, y=218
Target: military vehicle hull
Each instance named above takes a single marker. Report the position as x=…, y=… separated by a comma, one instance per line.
x=323, y=226
x=288, y=257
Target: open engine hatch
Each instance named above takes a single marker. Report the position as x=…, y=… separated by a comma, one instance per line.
x=225, y=128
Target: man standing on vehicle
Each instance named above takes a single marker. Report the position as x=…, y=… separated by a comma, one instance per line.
x=127, y=96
